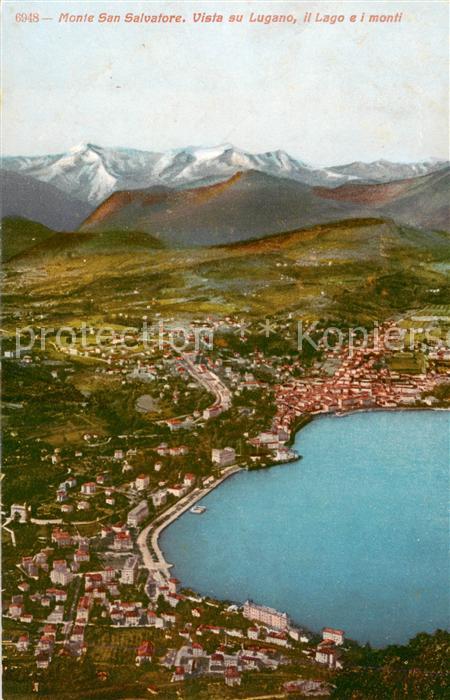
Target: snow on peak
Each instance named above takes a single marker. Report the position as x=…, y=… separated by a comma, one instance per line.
x=202, y=153
x=91, y=173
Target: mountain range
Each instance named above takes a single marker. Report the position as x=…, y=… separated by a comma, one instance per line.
x=91, y=173
x=211, y=196
x=253, y=204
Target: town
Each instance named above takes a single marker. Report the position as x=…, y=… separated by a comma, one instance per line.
x=85, y=578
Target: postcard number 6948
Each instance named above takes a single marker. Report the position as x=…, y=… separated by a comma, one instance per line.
x=27, y=16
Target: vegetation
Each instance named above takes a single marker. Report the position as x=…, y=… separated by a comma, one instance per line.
x=419, y=669
x=360, y=268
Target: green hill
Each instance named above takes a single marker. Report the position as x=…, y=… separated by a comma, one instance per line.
x=363, y=268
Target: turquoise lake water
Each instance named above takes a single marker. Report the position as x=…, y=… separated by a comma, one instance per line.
x=355, y=535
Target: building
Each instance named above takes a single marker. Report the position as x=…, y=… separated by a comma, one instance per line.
x=138, y=514
x=123, y=542
x=89, y=488
x=16, y=608
x=326, y=654
x=178, y=450
x=266, y=616
x=308, y=688
x=81, y=556
x=61, y=575
x=144, y=653
x=223, y=457
x=159, y=498
x=57, y=615
x=83, y=608
x=19, y=512
x=61, y=538
x=42, y=661
x=142, y=482
x=179, y=490
x=173, y=584
x=131, y=618
x=197, y=649
x=232, y=676
x=189, y=480
x=26, y=617
x=213, y=411
x=332, y=635
x=180, y=423
x=178, y=675
x=130, y=571
x=23, y=642
x=279, y=638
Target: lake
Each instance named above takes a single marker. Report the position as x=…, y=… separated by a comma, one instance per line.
x=355, y=535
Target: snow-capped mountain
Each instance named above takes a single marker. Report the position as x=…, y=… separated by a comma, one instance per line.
x=91, y=173
x=385, y=171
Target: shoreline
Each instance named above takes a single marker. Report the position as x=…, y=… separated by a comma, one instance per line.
x=161, y=566
x=155, y=528
x=352, y=411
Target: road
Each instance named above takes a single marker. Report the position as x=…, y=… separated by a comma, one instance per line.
x=8, y=530
x=68, y=623
x=209, y=381
x=161, y=568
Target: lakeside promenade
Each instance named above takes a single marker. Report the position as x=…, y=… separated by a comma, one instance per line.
x=157, y=564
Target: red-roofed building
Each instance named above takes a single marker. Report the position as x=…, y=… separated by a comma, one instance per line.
x=123, y=542
x=23, y=642
x=197, y=649
x=178, y=675
x=173, y=585
x=61, y=538
x=189, y=480
x=144, y=653
x=326, y=654
x=333, y=635
x=81, y=556
x=142, y=482
x=232, y=676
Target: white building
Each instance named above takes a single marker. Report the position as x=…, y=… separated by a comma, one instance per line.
x=138, y=514
x=266, y=616
x=142, y=482
x=130, y=571
x=332, y=635
x=326, y=655
x=61, y=576
x=225, y=457
x=159, y=498
x=19, y=511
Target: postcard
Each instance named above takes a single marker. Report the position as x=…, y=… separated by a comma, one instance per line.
x=225, y=349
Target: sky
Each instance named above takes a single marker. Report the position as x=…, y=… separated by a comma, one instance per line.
x=326, y=94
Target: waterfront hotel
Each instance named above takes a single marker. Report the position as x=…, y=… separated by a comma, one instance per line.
x=266, y=616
